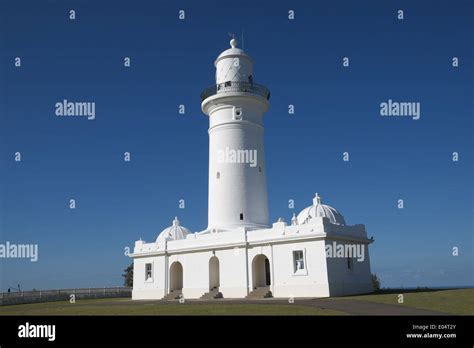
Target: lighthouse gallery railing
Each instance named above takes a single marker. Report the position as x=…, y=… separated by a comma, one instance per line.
x=234, y=86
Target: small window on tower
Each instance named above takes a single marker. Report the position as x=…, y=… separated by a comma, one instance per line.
x=260, y=169
x=218, y=175
x=237, y=113
x=241, y=216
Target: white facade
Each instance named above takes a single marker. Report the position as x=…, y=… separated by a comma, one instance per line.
x=240, y=253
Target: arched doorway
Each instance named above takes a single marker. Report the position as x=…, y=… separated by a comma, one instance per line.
x=176, y=276
x=261, y=271
x=214, y=278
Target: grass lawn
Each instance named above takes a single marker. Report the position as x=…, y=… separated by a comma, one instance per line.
x=459, y=302
x=124, y=307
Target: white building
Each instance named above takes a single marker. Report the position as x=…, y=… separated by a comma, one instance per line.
x=240, y=253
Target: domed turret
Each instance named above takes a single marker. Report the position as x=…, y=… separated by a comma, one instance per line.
x=233, y=65
x=234, y=75
x=320, y=210
x=174, y=232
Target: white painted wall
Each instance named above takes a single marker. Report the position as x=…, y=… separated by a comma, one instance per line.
x=237, y=188
x=312, y=281
x=236, y=250
x=344, y=281
x=233, y=272
x=150, y=289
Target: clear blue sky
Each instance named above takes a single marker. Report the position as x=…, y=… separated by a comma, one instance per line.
x=337, y=110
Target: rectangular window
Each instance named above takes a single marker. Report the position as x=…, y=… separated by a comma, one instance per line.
x=241, y=216
x=349, y=264
x=298, y=260
x=148, y=273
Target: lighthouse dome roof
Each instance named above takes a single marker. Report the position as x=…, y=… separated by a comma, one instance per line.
x=320, y=210
x=174, y=232
x=233, y=51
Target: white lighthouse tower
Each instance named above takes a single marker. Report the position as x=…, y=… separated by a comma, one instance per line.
x=237, y=172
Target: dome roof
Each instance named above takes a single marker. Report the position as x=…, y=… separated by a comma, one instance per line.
x=233, y=52
x=320, y=210
x=174, y=232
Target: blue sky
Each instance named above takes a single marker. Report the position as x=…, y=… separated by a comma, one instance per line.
x=300, y=61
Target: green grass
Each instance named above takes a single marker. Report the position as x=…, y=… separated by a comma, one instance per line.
x=124, y=307
x=459, y=302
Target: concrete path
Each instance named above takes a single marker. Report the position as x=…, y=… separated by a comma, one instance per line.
x=360, y=307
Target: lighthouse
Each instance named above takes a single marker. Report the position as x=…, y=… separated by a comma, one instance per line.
x=240, y=254
x=237, y=172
